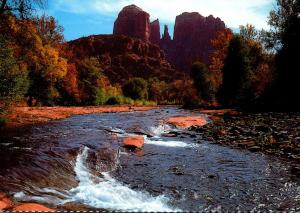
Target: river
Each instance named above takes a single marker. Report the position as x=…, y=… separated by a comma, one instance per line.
x=80, y=160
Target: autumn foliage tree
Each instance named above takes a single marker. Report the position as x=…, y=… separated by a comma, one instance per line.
x=246, y=70
x=21, y=8
x=220, y=44
x=49, y=30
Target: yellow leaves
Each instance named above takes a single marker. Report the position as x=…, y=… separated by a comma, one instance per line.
x=55, y=66
x=49, y=64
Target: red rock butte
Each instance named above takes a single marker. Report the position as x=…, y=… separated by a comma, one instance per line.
x=132, y=21
x=192, y=34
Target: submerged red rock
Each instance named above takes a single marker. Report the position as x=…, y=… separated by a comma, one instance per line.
x=32, y=207
x=186, y=122
x=5, y=202
x=134, y=141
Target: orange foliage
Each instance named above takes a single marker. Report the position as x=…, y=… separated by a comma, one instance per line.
x=70, y=83
x=220, y=44
x=262, y=79
x=49, y=30
x=180, y=89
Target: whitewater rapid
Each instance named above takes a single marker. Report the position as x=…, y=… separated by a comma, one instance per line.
x=108, y=193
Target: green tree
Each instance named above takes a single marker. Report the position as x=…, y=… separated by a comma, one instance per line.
x=90, y=74
x=285, y=22
x=240, y=70
x=249, y=32
x=280, y=19
x=157, y=90
x=203, y=81
x=13, y=78
x=136, y=88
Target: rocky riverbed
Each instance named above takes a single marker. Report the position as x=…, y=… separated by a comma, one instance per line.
x=272, y=133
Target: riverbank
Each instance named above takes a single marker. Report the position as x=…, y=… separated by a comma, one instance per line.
x=272, y=133
x=24, y=116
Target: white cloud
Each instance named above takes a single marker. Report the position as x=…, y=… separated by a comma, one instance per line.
x=233, y=12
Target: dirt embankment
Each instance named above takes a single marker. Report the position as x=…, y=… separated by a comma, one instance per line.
x=23, y=116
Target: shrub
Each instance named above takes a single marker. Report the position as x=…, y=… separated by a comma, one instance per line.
x=113, y=101
x=3, y=122
x=191, y=102
x=136, y=88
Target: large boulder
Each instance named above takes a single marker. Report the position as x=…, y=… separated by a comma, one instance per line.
x=134, y=22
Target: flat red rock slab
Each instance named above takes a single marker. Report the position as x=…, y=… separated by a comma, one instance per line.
x=33, y=207
x=5, y=202
x=186, y=122
x=134, y=141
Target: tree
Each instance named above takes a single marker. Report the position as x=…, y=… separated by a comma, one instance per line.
x=13, y=78
x=246, y=72
x=236, y=67
x=279, y=19
x=91, y=80
x=220, y=44
x=47, y=70
x=202, y=78
x=49, y=30
x=69, y=89
x=21, y=8
x=285, y=21
x=249, y=32
x=157, y=90
x=136, y=88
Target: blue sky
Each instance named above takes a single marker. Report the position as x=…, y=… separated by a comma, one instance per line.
x=86, y=17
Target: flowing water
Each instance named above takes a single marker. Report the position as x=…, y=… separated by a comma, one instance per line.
x=81, y=160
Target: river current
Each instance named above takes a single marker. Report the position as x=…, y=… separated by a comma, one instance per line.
x=80, y=160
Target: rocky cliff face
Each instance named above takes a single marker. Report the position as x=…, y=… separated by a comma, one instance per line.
x=155, y=32
x=134, y=22
x=192, y=34
x=166, y=43
x=123, y=57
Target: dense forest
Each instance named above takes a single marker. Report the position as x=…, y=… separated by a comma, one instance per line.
x=252, y=69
